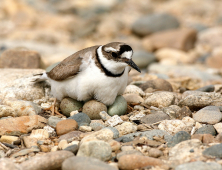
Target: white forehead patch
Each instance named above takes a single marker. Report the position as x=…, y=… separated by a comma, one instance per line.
x=127, y=54
x=108, y=49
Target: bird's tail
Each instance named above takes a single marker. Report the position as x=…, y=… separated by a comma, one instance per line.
x=41, y=77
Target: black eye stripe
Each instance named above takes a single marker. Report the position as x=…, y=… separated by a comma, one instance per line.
x=114, y=55
x=125, y=48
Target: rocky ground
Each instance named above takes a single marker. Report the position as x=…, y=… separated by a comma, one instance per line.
x=169, y=116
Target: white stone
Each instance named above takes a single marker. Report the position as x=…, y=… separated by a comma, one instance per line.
x=85, y=128
x=104, y=116
x=218, y=127
x=39, y=134
x=137, y=116
x=113, y=121
x=126, y=128
x=50, y=130
x=46, y=105
x=62, y=144
x=54, y=148
x=134, y=89
x=74, y=113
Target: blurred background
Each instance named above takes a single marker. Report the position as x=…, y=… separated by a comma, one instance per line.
x=170, y=38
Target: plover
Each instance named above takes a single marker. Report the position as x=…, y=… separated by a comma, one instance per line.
x=98, y=72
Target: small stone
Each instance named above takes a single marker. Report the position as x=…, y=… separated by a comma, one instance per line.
x=155, y=153
x=96, y=149
x=181, y=39
x=148, y=24
x=72, y=148
x=137, y=161
x=143, y=58
x=178, y=137
x=114, y=130
x=68, y=105
x=209, y=114
x=54, y=148
x=92, y=108
x=160, y=99
x=114, y=120
x=119, y=107
x=85, y=163
x=53, y=120
x=85, y=128
x=15, y=58
x=30, y=142
x=96, y=126
x=218, y=127
x=81, y=118
x=209, y=88
x=197, y=136
x=51, y=131
x=134, y=89
x=14, y=140
x=133, y=98
x=8, y=164
x=138, y=116
x=208, y=138
x=128, y=152
x=214, y=151
x=183, y=112
x=45, y=148
x=115, y=146
x=66, y=126
x=104, y=116
x=199, y=165
x=62, y=144
x=174, y=126
x=154, y=117
x=207, y=129
x=25, y=152
x=74, y=135
x=39, y=134
x=51, y=160
x=21, y=125
x=7, y=111
x=158, y=84
x=126, y=128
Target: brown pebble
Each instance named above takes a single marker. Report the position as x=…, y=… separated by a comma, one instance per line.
x=133, y=98
x=197, y=136
x=155, y=153
x=208, y=138
x=66, y=126
x=137, y=161
x=45, y=148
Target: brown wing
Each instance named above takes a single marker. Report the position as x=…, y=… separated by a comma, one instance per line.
x=69, y=67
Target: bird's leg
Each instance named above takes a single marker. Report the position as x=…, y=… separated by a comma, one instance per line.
x=53, y=107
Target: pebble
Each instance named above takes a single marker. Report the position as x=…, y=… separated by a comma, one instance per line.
x=143, y=58
x=25, y=152
x=209, y=115
x=199, y=165
x=158, y=84
x=71, y=135
x=179, y=137
x=138, y=116
x=209, y=88
x=39, y=134
x=66, y=126
x=62, y=144
x=72, y=148
x=97, y=126
x=155, y=153
x=114, y=120
x=53, y=120
x=214, y=151
x=81, y=118
x=68, y=105
x=8, y=164
x=184, y=112
x=133, y=98
x=180, y=39
x=85, y=128
x=137, y=161
x=92, y=108
x=134, y=89
x=85, y=163
x=208, y=138
x=128, y=152
x=115, y=146
x=174, y=126
x=218, y=127
x=95, y=149
x=104, y=116
x=12, y=59
x=207, y=129
x=7, y=111
x=114, y=130
x=21, y=125
x=119, y=107
x=29, y=141
x=126, y=128
x=148, y=24
x=160, y=99
x=14, y=140
x=51, y=160
x=154, y=117
x=51, y=131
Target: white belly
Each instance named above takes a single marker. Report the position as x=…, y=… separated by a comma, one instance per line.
x=91, y=84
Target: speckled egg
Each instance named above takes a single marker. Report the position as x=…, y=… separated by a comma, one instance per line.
x=119, y=107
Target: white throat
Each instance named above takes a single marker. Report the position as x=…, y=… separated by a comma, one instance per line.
x=111, y=65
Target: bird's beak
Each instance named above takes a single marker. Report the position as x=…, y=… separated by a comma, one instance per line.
x=133, y=65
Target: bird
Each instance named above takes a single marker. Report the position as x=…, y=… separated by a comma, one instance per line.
x=99, y=72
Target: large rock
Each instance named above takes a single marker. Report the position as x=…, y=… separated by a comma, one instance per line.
x=8, y=164
x=17, y=83
x=21, y=125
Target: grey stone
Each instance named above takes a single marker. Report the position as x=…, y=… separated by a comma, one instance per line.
x=178, y=137
x=81, y=118
x=72, y=148
x=74, y=135
x=199, y=165
x=23, y=152
x=209, y=88
x=154, y=117
x=96, y=149
x=148, y=134
x=53, y=120
x=209, y=114
x=119, y=107
x=207, y=129
x=214, y=151
x=96, y=126
x=85, y=163
x=48, y=161
x=143, y=58
x=153, y=23
x=8, y=164
x=68, y=105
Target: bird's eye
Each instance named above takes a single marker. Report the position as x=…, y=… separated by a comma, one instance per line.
x=114, y=55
